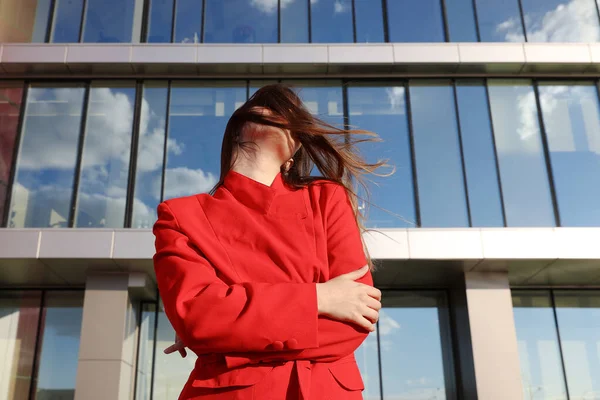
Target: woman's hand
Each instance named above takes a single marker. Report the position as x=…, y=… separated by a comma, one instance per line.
x=343, y=299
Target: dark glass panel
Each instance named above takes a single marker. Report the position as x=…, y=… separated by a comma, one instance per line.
x=67, y=21
x=112, y=21
x=499, y=21
x=294, y=21
x=461, y=21
x=240, y=21
x=331, y=21
x=188, y=21
x=369, y=21
x=416, y=21
x=160, y=21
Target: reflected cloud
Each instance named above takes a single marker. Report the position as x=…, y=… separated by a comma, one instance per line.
x=387, y=324
x=269, y=6
x=396, y=98
x=340, y=7
x=183, y=181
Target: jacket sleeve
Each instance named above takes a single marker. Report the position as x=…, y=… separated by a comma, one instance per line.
x=213, y=317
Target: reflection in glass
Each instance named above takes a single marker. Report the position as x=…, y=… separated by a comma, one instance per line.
x=160, y=21
x=411, y=345
x=112, y=21
x=197, y=118
x=294, y=21
x=19, y=316
x=368, y=364
x=521, y=160
x=578, y=316
x=24, y=21
x=11, y=94
x=561, y=20
x=106, y=151
x=67, y=21
x=461, y=21
x=331, y=21
x=572, y=121
x=323, y=98
x=479, y=159
x=416, y=21
x=539, y=352
x=240, y=21
x=442, y=199
x=499, y=21
x=63, y=313
x=188, y=21
x=43, y=186
x=148, y=180
x=147, y=337
x=369, y=21
x=382, y=109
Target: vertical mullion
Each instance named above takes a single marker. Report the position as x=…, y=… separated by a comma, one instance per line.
x=79, y=158
x=50, y=25
x=309, y=4
x=155, y=339
x=462, y=153
x=13, y=163
x=38, y=346
x=278, y=22
x=203, y=21
x=560, y=348
x=354, y=21
x=522, y=19
x=597, y=9
x=445, y=21
x=133, y=153
x=496, y=159
x=83, y=14
x=145, y=22
x=476, y=20
x=386, y=27
x=546, y=148
x=174, y=21
x=380, y=369
x=412, y=153
x=137, y=350
x=164, y=163
x=445, y=329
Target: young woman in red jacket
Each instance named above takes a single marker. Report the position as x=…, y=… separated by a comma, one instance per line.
x=266, y=278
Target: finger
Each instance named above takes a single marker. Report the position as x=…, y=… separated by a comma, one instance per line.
x=183, y=352
x=373, y=303
x=365, y=323
x=374, y=292
x=354, y=275
x=370, y=314
x=171, y=349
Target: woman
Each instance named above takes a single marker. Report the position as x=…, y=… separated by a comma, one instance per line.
x=266, y=278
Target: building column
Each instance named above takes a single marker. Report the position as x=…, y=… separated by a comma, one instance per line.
x=485, y=338
x=107, y=350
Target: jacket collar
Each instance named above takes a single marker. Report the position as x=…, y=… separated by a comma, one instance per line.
x=251, y=193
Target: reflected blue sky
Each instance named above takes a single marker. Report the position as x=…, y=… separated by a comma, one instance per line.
x=160, y=20
x=188, y=21
x=416, y=21
x=294, y=21
x=110, y=21
x=369, y=21
x=499, y=21
x=67, y=21
x=331, y=21
x=460, y=15
x=241, y=21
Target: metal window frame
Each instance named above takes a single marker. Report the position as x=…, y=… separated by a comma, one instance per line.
x=445, y=22
x=50, y=24
x=38, y=346
x=133, y=153
x=354, y=34
x=522, y=15
x=462, y=152
x=84, y=9
x=308, y=2
x=153, y=371
x=559, y=339
x=166, y=142
x=145, y=21
x=386, y=24
x=413, y=159
x=202, y=22
x=476, y=16
x=79, y=157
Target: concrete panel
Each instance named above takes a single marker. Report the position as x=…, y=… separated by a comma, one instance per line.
x=524, y=243
x=426, y=53
x=578, y=243
x=385, y=244
x=438, y=244
x=295, y=54
x=491, y=53
x=34, y=53
x=163, y=54
x=98, y=53
x=360, y=54
x=133, y=244
x=23, y=272
x=102, y=380
x=233, y=54
x=75, y=270
x=576, y=53
x=70, y=243
x=19, y=243
x=567, y=273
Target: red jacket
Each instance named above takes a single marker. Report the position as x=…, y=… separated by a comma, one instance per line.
x=237, y=271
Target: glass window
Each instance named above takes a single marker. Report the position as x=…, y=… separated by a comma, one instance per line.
x=145, y=357
x=578, y=317
x=11, y=94
x=572, y=121
x=499, y=21
x=197, y=118
x=382, y=109
x=188, y=21
x=416, y=21
x=106, y=151
x=331, y=21
x=561, y=20
x=19, y=316
x=59, y=345
x=24, y=21
x=368, y=364
x=440, y=182
x=369, y=21
x=112, y=21
x=323, y=98
x=410, y=329
x=160, y=21
x=461, y=21
x=539, y=351
x=294, y=21
x=67, y=21
x=43, y=185
x=525, y=186
x=240, y=21
x=485, y=204
x=151, y=148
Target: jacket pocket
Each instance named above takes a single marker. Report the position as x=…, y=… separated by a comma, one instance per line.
x=347, y=375
x=246, y=376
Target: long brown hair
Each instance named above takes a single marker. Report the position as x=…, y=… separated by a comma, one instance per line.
x=332, y=150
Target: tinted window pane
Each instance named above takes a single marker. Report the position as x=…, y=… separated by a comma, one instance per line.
x=578, y=316
x=160, y=21
x=294, y=21
x=369, y=21
x=67, y=21
x=539, y=354
x=197, y=119
x=19, y=316
x=146, y=351
x=188, y=21
x=368, y=363
x=323, y=98
x=409, y=329
x=478, y=152
x=441, y=187
x=561, y=20
x=60, y=345
x=499, y=21
x=240, y=21
x=331, y=21
x=105, y=162
x=41, y=194
x=461, y=21
x=111, y=21
x=10, y=109
x=148, y=180
x=383, y=110
x=572, y=122
x=24, y=21
x=523, y=174
x=415, y=21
